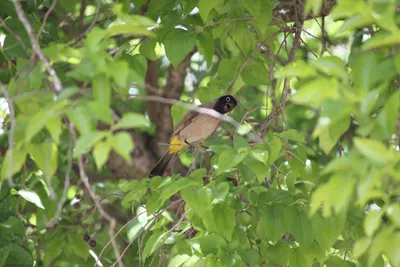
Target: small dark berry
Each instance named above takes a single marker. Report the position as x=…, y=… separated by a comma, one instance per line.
x=78, y=197
x=86, y=237
x=92, y=243
x=77, y=206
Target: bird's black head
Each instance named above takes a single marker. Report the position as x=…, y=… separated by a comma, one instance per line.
x=225, y=104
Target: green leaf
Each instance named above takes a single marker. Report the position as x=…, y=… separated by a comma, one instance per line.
x=227, y=69
x=205, y=7
x=373, y=150
x=250, y=256
x=372, y=222
x=228, y=159
x=292, y=135
x=127, y=29
x=81, y=117
x=14, y=225
x=132, y=120
x=331, y=65
x=178, y=260
x=335, y=261
x=361, y=245
x=255, y=74
x=178, y=44
x=279, y=253
x=224, y=219
x=18, y=256
x=102, y=89
x=311, y=93
x=199, y=200
x=386, y=121
x=205, y=44
x=220, y=191
x=147, y=49
x=300, y=225
x=327, y=230
x=209, y=244
x=18, y=156
x=78, y=245
x=31, y=196
x=101, y=152
x=39, y=120
x=123, y=145
x=314, y=6
x=271, y=225
x=297, y=258
x=45, y=156
x=260, y=169
x=54, y=126
x=260, y=10
x=364, y=70
x=85, y=142
x=153, y=243
x=175, y=187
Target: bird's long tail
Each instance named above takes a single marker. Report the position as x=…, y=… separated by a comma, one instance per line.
x=175, y=145
x=161, y=165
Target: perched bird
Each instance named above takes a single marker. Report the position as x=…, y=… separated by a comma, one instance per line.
x=193, y=129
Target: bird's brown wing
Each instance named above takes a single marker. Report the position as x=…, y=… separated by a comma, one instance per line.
x=189, y=117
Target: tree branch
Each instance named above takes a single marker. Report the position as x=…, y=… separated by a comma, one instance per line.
x=36, y=47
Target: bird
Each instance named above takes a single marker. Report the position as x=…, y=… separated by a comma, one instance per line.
x=194, y=128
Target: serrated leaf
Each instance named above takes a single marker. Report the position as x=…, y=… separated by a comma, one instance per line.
x=178, y=44
x=211, y=243
x=31, y=196
x=297, y=258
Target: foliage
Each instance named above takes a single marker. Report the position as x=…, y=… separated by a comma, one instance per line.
x=311, y=177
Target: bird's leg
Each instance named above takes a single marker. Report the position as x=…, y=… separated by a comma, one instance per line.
x=207, y=148
x=190, y=147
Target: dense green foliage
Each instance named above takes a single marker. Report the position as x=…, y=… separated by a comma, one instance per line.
x=307, y=173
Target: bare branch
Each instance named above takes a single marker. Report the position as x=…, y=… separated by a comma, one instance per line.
x=36, y=46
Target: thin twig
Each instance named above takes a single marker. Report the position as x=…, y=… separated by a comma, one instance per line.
x=256, y=50
x=102, y=212
x=67, y=182
x=81, y=16
x=46, y=16
x=16, y=36
x=91, y=24
x=122, y=228
x=13, y=124
x=36, y=46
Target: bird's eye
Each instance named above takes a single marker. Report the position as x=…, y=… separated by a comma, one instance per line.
x=228, y=99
